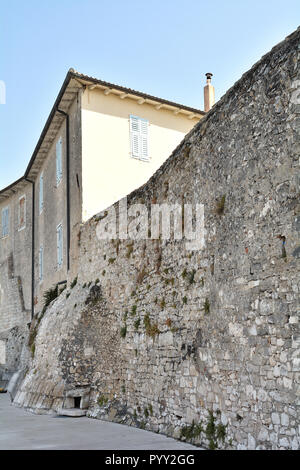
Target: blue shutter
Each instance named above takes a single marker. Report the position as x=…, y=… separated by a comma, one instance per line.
x=41, y=263
x=58, y=160
x=5, y=222
x=59, y=246
x=41, y=192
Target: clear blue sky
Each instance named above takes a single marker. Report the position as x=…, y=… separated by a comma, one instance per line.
x=161, y=47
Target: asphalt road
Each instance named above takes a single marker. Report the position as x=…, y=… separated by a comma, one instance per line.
x=22, y=430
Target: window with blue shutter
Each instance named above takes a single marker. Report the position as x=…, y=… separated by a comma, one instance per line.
x=59, y=235
x=41, y=198
x=5, y=221
x=139, y=138
x=58, y=161
x=41, y=263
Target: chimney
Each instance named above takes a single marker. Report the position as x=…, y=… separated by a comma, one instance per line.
x=209, y=93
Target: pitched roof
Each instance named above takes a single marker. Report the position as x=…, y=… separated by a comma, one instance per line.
x=74, y=81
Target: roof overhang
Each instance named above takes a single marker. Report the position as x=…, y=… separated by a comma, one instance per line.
x=93, y=83
x=73, y=82
x=13, y=188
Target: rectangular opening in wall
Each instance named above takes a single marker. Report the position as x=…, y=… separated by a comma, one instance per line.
x=77, y=401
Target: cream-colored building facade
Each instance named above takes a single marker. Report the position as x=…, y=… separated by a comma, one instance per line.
x=126, y=136
x=101, y=141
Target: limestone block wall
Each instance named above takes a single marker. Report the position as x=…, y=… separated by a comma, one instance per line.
x=199, y=344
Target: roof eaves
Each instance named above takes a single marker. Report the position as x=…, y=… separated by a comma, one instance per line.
x=133, y=92
x=48, y=122
x=8, y=188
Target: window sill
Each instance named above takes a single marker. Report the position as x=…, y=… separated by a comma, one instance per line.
x=140, y=158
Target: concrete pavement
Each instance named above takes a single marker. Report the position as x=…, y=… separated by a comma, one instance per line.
x=22, y=430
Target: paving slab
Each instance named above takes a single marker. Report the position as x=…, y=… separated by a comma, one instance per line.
x=22, y=430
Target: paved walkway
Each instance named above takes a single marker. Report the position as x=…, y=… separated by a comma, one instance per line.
x=22, y=430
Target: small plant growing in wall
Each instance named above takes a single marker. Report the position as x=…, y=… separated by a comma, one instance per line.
x=133, y=310
x=73, y=283
x=129, y=250
x=220, y=206
x=191, y=432
x=184, y=300
x=152, y=329
x=206, y=306
x=137, y=324
x=214, y=433
x=123, y=331
x=111, y=260
x=191, y=276
x=102, y=400
x=50, y=295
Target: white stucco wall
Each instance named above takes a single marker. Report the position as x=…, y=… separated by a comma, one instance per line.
x=108, y=170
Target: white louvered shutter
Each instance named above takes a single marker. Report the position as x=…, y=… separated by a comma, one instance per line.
x=135, y=136
x=144, y=139
x=139, y=138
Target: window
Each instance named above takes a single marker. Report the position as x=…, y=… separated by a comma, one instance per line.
x=5, y=221
x=41, y=195
x=59, y=236
x=41, y=263
x=58, y=161
x=22, y=212
x=139, y=138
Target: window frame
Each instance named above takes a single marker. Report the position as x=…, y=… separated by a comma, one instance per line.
x=59, y=170
x=59, y=249
x=19, y=213
x=140, y=135
x=41, y=193
x=41, y=264
x=5, y=235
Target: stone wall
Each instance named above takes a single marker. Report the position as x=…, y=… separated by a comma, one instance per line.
x=15, y=282
x=201, y=344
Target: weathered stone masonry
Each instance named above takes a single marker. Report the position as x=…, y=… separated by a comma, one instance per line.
x=165, y=337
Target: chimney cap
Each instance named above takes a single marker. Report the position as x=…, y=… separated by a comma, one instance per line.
x=208, y=75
